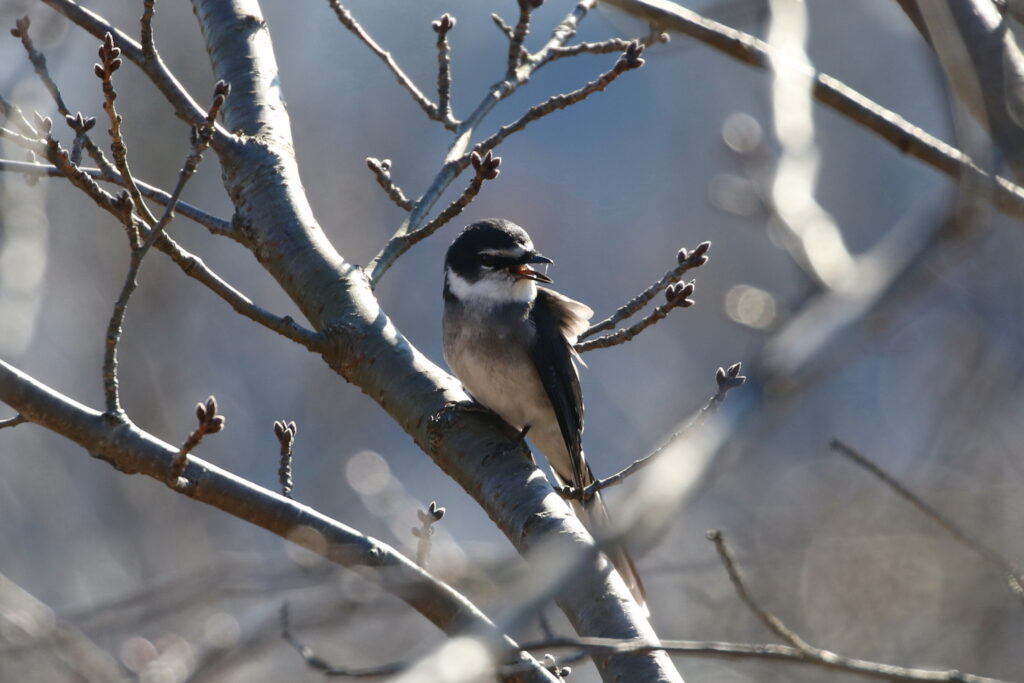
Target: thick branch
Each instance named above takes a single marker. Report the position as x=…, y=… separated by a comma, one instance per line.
x=132, y=450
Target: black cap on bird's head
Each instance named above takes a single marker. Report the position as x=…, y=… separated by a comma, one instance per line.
x=494, y=247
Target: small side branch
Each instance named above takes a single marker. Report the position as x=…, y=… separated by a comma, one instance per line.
x=629, y=60
x=285, y=433
x=382, y=171
x=444, y=68
x=1015, y=579
x=676, y=296
x=485, y=167
x=605, y=46
x=349, y=22
x=124, y=205
x=209, y=423
x=727, y=379
x=687, y=261
x=317, y=663
x=13, y=421
x=773, y=623
x=425, y=531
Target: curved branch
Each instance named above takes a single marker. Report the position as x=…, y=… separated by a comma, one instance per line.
x=131, y=450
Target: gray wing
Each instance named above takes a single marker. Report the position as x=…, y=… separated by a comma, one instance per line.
x=557, y=320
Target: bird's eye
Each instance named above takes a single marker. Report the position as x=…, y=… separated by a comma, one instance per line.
x=488, y=261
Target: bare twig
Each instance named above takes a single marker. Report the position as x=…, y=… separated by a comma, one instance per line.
x=502, y=26
x=606, y=46
x=1014, y=578
x=348, y=21
x=13, y=421
x=486, y=168
x=425, y=532
x=209, y=423
x=12, y=112
x=285, y=433
x=148, y=44
x=382, y=171
x=317, y=663
x=38, y=61
x=726, y=379
x=676, y=296
x=203, y=136
x=687, y=260
x=773, y=623
x=629, y=60
x=110, y=61
x=1007, y=196
x=783, y=653
x=444, y=68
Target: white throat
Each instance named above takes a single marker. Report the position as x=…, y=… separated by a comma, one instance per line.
x=491, y=291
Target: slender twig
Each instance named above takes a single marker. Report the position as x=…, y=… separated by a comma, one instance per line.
x=687, y=260
x=110, y=61
x=444, y=68
x=382, y=171
x=774, y=624
x=349, y=22
x=215, y=225
x=676, y=296
x=1015, y=579
x=115, y=326
x=12, y=112
x=727, y=379
x=425, y=531
x=1007, y=196
x=209, y=423
x=629, y=60
x=502, y=26
x=285, y=433
x=38, y=61
x=320, y=664
x=606, y=46
x=13, y=421
x=783, y=653
x=516, y=53
x=486, y=168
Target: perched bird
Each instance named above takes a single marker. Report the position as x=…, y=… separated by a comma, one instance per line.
x=510, y=342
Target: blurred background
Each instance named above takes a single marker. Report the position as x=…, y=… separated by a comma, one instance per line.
x=906, y=346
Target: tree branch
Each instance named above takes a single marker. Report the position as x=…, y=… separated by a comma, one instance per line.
x=131, y=450
x=1007, y=196
x=1014, y=578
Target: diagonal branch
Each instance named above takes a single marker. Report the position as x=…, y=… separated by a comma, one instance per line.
x=429, y=108
x=993, y=557
x=1007, y=196
x=727, y=380
x=687, y=261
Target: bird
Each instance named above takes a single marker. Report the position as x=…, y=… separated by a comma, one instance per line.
x=511, y=344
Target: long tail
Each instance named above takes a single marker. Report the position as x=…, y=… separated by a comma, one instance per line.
x=594, y=516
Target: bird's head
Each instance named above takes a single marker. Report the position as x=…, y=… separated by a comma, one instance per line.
x=490, y=263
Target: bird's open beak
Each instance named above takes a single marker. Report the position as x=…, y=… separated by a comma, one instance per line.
x=524, y=271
